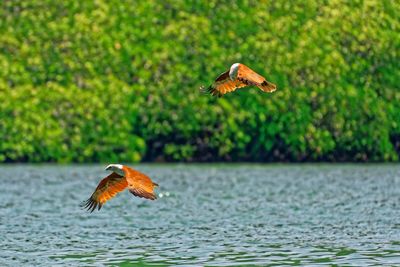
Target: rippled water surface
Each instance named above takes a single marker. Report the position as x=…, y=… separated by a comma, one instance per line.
x=214, y=215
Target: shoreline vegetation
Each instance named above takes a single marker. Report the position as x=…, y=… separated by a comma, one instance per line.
x=111, y=81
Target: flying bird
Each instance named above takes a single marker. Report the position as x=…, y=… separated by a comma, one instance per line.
x=238, y=76
x=122, y=177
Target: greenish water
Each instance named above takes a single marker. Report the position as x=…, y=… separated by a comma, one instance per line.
x=214, y=215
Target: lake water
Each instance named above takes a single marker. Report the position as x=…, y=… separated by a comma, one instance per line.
x=214, y=215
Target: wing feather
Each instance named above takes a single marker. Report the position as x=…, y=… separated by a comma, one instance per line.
x=107, y=189
x=141, y=185
x=223, y=85
x=250, y=77
x=143, y=194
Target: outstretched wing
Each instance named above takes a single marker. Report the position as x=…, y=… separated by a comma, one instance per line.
x=250, y=77
x=141, y=185
x=223, y=85
x=107, y=189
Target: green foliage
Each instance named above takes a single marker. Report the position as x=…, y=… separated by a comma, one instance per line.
x=114, y=81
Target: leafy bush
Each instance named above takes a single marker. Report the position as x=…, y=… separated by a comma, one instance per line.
x=115, y=81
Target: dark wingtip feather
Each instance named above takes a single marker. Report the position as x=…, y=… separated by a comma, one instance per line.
x=93, y=207
x=85, y=204
x=203, y=89
x=210, y=90
x=90, y=205
x=268, y=86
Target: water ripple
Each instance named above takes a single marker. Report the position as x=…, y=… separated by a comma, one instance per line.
x=212, y=215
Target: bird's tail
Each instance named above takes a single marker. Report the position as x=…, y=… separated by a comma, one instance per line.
x=267, y=86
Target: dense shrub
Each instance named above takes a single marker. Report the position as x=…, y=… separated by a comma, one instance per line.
x=112, y=80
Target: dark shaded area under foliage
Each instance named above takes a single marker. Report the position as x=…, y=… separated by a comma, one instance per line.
x=112, y=81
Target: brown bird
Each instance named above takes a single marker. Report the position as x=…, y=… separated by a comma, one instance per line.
x=121, y=177
x=238, y=76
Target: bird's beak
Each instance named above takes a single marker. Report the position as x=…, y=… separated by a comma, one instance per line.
x=107, y=168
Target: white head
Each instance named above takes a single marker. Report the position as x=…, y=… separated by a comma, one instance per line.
x=234, y=71
x=117, y=168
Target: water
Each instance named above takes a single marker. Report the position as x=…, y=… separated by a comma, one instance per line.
x=214, y=215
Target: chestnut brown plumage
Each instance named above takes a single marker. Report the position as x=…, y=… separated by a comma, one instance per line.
x=238, y=76
x=122, y=177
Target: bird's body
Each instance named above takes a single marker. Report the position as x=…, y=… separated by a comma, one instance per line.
x=238, y=76
x=121, y=177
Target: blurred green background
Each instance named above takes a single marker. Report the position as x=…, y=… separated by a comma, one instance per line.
x=117, y=81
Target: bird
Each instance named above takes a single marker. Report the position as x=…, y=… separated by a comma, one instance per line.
x=238, y=76
x=122, y=177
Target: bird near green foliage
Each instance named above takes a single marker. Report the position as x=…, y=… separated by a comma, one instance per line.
x=108, y=80
x=236, y=77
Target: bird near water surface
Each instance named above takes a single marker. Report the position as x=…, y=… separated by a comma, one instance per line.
x=238, y=76
x=122, y=177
